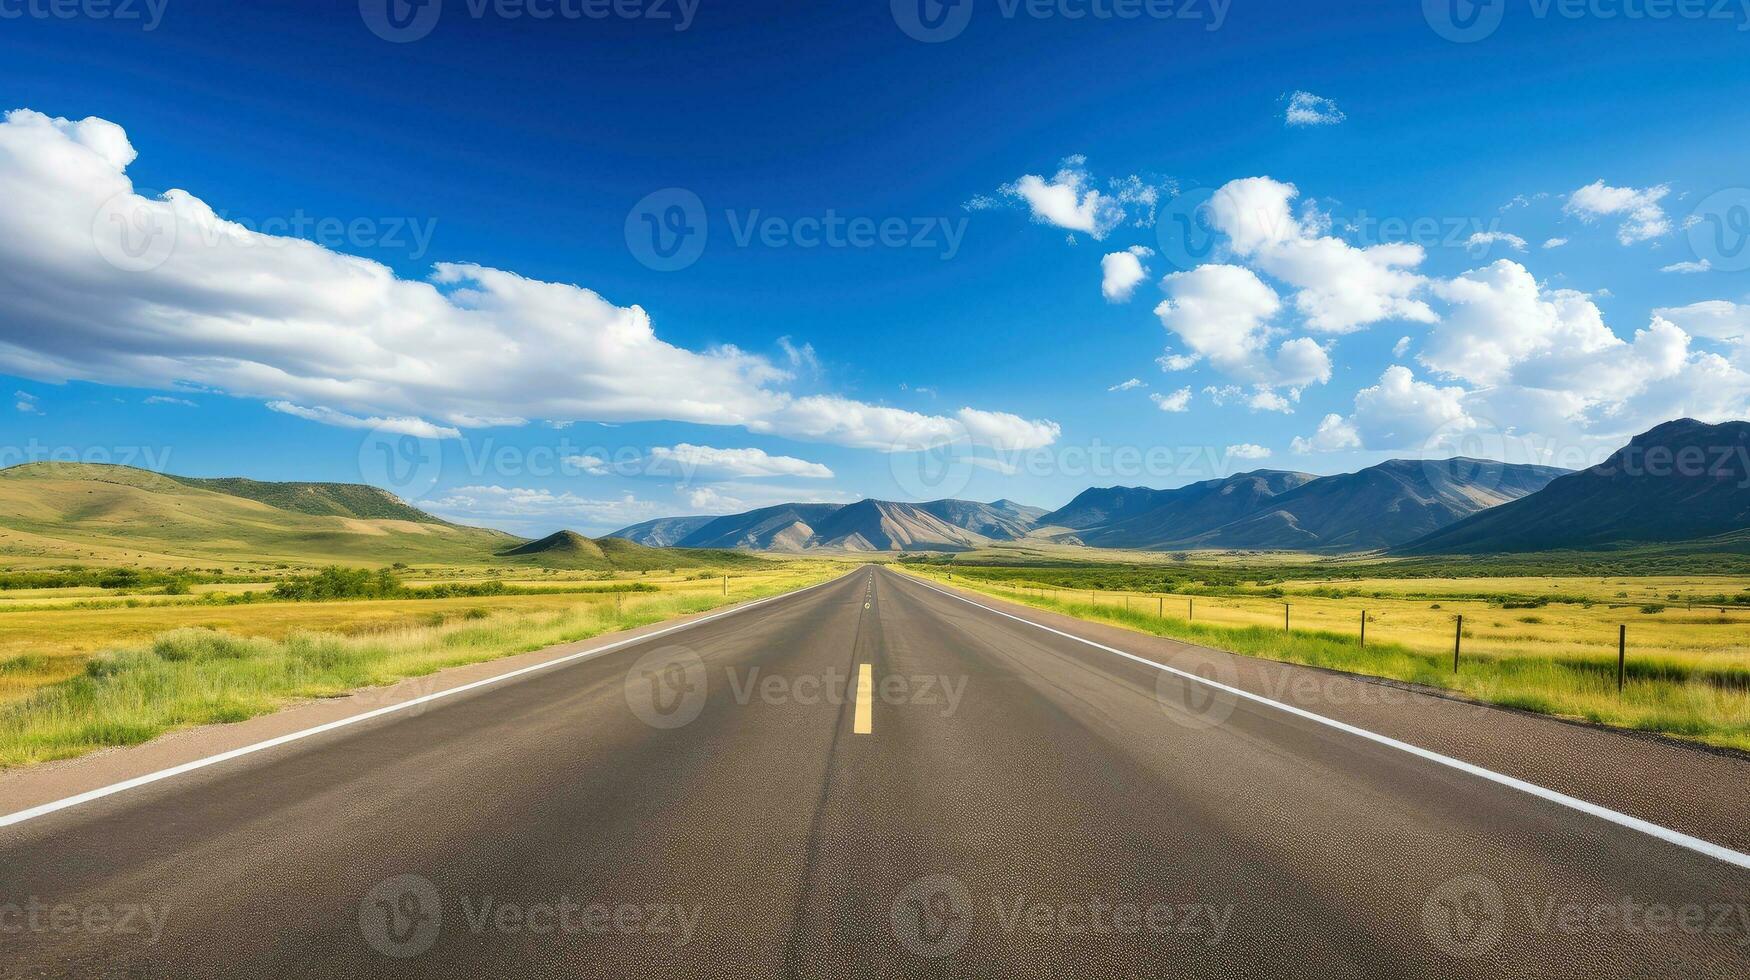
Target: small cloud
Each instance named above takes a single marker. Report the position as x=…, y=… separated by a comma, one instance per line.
x=1554, y=242
x=416, y=427
x=1307, y=109
x=593, y=465
x=1177, y=362
x=167, y=400
x=1121, y=271
x=1400, y=348
x=1644, y=218
x=1127, y=385
x=1334, y=434
x=1480, y=242
x=1688, y=267
x=1178, y=401
x=1247, y=450
x=26, y=403
x=801, y=359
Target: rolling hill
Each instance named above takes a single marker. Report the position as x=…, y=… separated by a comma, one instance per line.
x=1175, y=517
x=67, y=513
x=1681, y=483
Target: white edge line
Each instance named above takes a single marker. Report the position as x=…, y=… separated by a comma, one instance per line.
x=1666, y=834
x=45, y=809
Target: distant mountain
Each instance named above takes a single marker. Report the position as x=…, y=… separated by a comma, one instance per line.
x=867, y=525
x=1102, y=506
x=1379, y=507
x=1182, y=516
x=1264, y=510
x=1677, y=482
x=568, y=549
x=664, y=532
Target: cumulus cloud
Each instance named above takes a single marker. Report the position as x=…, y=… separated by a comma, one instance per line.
x=1334, y=434
x=1688, y=267
x=172, y=293
x=1223, y=313
x=1068, y=200
x=692, y=461
x=1307, y=109
x=1177, y=362
x=540, y=510
x=1178, y=401
x=1714, y=319
x=1127, y=385
x=1340, y=288
x=1248, y=450
x=1643, y=217
x=1121, y=271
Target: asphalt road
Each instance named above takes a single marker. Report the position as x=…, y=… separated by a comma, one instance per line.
x=708, y=803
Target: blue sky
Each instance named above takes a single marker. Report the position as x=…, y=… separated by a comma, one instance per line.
x=538, y=145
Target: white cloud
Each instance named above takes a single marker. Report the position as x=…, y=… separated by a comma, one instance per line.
x=1068, y=200
x=1307, y=109
x=690, y=461
x=539, y=510
x=1688, y=267
x=1177, y=362
x=213, y=303
x=1265, y=400
x=1400, y=412
x=1248, y=450
x=1341, y=288
x=401, y=425
x=593, y=465
x=1401, y=348
x=1002, y=431
x=1554, y=242
x=167, y=400
x=26, y=402
x=1644, y=218
x=1223, y=312
x=1479, y=242
x=1121, y=271
x=1178, y=401
x=1128, y=385
x=1333, y=435
x=1714, y=319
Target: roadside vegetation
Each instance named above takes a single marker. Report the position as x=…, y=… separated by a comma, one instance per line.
x=93, y=679
x=1542, y=644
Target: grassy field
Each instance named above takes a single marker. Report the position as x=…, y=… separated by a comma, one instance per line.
x=1541, y=643
x=73, y=680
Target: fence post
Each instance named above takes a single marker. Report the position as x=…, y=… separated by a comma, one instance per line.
x=1160, y=607
x=1457, y=638
x=1363, y=629
x=617, y=597
x=1621, y=655
x=1191, y=609
x=725, y=585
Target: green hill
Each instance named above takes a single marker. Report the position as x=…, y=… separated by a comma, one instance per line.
x=95, y=514
x=568, y=549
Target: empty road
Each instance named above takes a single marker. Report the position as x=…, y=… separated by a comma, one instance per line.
x=874, y=778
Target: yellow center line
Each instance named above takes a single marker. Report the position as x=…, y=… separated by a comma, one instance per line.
x=865, y=721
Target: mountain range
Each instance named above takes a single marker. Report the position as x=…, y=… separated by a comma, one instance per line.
x=1379, y=507
x=1683, y=481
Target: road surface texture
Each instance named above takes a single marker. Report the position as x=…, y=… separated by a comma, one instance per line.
x=988, y=799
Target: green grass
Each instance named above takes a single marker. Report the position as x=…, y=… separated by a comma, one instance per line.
x=199, y=676
x=1667, y=694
